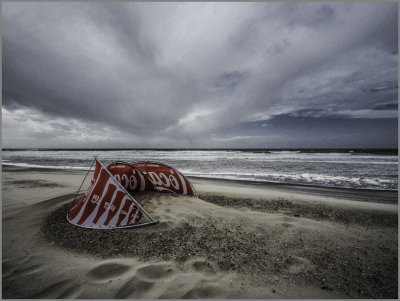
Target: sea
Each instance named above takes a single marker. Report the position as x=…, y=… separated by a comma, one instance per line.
x=350, y=168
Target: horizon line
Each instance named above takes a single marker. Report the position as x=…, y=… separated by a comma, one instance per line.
x=200, y=148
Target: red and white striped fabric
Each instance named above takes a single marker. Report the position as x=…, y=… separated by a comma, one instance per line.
x=104, y=204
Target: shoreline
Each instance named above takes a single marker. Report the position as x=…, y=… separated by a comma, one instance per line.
x=356, y=194
x=271, y=184
x=237, y=240
x=352, y=194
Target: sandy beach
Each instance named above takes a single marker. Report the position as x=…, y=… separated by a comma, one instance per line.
x=237, y=240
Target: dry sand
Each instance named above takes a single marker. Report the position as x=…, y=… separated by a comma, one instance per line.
x=238, y=240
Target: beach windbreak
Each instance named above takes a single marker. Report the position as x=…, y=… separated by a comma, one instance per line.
x=107, y=204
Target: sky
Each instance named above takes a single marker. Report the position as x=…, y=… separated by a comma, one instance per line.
x=200, y=75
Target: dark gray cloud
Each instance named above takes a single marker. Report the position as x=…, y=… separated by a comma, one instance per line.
x=199, y=74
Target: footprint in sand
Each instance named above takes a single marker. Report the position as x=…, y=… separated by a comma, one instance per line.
x=294, y=264
x=155, y=271
x=134, y=288
x=203, y=266
x=107, y=271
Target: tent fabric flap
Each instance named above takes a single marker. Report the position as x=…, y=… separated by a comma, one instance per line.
x=129, y=177
x=106, y=204
x=165, y=178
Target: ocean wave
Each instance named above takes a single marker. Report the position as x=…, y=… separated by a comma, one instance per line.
x=330, y=169
x=303, y=179
x=28, y=165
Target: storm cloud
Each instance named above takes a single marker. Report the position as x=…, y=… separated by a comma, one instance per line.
x=200, y=74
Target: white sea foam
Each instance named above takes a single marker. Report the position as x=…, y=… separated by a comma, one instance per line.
x=27, y=165
x=337, y=169
x=305, y=178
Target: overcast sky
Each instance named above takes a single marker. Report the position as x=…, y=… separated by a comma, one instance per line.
x=272, y=75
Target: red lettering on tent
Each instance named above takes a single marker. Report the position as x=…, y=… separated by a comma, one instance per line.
x=129, y=177
x=165, y=178
x=167, y=183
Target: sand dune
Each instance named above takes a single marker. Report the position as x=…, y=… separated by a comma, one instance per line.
x=247, y=242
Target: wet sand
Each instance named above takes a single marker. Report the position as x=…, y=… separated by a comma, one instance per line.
x=237, y=240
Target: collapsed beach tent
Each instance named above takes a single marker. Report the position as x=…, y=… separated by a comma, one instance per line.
x=151, y=176
x=106, y=204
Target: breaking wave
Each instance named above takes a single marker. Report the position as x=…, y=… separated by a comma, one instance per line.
x=363, y=170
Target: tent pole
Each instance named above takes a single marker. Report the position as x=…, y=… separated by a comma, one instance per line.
x=83, y=180
x=124, y=190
